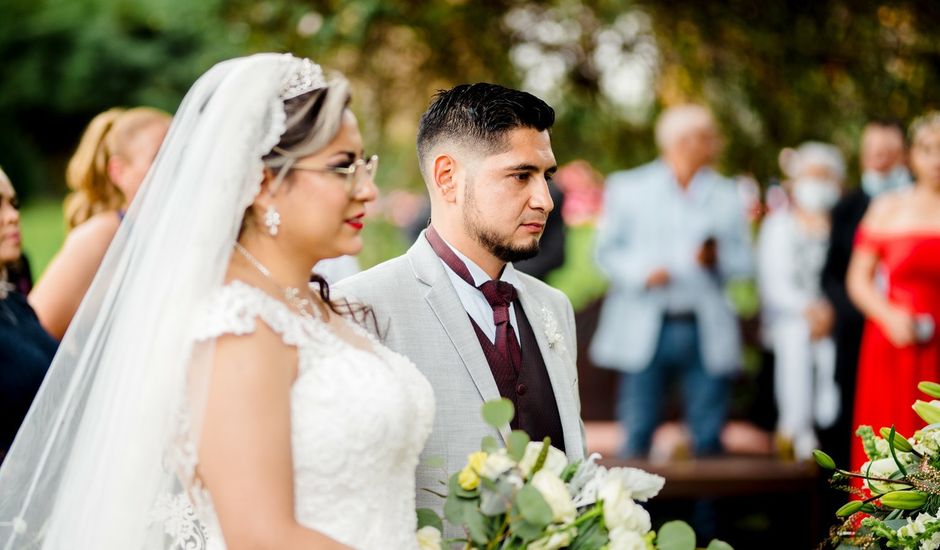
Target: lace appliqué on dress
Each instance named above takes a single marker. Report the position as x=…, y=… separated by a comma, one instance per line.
x=359, y=419
x=176, y=514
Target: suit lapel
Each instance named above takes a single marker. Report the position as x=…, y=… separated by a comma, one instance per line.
x=446, y=305
x=554, y=361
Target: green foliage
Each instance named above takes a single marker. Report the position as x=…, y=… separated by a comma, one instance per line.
x=534, y=514
x=579, y=278
x=518, y=440
x=543, y=454
x=43, y=232
x=675, y=535
x=489, y=444
x=930, y=388
x=782, y=72
x=426, y=517
x=591, y=534
x=867, y=435
x=824, y=460
x=459, y=504
x=498, y=412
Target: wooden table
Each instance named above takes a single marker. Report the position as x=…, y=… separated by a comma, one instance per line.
x=728, y=476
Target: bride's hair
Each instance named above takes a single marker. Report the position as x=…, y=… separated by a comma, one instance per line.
x=313, y=120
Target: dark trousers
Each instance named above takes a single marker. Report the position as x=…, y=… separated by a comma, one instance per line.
x=705, y=395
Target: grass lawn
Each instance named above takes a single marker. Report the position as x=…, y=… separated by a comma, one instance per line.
x=43, y=232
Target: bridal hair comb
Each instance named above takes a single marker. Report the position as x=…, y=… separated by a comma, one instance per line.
x=304, y=77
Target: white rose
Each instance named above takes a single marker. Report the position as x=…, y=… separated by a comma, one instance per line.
x=640, y=485
x=555, y=493
x=429, y=538
x=555, y=541
x=555, y=461
x=619, y=508
x=622, y=538
x=497, y=464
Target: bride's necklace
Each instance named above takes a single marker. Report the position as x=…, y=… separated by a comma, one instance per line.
x=291, y=294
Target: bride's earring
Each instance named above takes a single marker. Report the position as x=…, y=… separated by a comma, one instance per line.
x=272, y=219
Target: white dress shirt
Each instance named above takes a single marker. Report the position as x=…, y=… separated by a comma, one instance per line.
x=472, y=297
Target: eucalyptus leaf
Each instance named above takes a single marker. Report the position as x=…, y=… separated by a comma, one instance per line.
x=716, y=544
x=533, y=507
x=489, y=444
x=526, y=530
x=498, y=412
x=518, y=440
x=477, y=526
x=426, y=517
x=675, y=535
x=454, y=508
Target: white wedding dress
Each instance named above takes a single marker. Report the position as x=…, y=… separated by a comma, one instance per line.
x=359, y=419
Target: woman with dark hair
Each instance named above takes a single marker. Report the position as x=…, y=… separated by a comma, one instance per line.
x=206, y=396
x=25, y=348
x=894, y=280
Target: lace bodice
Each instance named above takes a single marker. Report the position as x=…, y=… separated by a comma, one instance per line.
x=359, y=420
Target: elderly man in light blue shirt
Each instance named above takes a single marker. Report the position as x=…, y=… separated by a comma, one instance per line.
x=672, y=236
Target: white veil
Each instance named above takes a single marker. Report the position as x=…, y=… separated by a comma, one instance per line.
x=107, y=437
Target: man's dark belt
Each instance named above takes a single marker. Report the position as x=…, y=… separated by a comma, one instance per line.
x=680, y=316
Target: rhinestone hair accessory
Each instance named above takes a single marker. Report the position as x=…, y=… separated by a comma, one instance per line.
x=306, y=76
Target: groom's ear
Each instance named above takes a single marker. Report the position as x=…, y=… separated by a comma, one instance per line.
x=443, y=171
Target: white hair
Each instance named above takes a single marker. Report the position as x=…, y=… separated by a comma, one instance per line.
x=676, y=122
x=812, y=153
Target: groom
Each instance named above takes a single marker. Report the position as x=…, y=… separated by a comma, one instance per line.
x=477, y=328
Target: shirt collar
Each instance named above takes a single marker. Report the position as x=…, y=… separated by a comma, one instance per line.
x=509, y=274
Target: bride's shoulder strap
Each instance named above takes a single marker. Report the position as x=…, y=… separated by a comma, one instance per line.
x=235, y=309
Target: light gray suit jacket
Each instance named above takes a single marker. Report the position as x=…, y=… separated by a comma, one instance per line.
x=632, y=238
x=419, y=315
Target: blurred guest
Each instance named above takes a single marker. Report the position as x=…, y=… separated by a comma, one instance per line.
x=797, y=319
x=26, y=350
x=883, y=166
x=552, y=244
x=584, y=192
x=672, y=235
x=900, y=238
x=104, y=174
x=334, y=270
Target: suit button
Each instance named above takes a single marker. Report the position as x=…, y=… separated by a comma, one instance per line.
x=521, y=389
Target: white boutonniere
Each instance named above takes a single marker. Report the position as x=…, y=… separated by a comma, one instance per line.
x=555, y=340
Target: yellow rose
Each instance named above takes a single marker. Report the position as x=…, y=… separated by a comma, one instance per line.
x=469, y=478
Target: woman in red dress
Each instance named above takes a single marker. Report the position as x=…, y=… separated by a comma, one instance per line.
x=894, y=279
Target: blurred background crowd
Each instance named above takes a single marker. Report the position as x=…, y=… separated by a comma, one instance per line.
x=717, y=161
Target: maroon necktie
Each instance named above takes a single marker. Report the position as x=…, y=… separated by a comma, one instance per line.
x=499, y=294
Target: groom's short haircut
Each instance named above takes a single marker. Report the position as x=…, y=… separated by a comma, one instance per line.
x=479, y=116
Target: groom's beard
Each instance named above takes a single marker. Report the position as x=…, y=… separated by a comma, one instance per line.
x=497, y=245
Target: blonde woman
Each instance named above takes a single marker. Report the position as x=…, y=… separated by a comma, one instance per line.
x=104, y=175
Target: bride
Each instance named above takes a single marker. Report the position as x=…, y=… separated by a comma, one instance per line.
x=205, y=396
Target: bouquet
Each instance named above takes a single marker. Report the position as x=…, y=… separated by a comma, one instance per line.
x=899, y=505
x=527, y=495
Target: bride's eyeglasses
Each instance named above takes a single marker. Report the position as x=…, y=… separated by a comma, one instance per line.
x=356, y=174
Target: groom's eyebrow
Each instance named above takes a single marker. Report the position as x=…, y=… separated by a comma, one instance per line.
x=526, y=167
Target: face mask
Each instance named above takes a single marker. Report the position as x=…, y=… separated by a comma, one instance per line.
x=876, y=183
x=815, y=195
